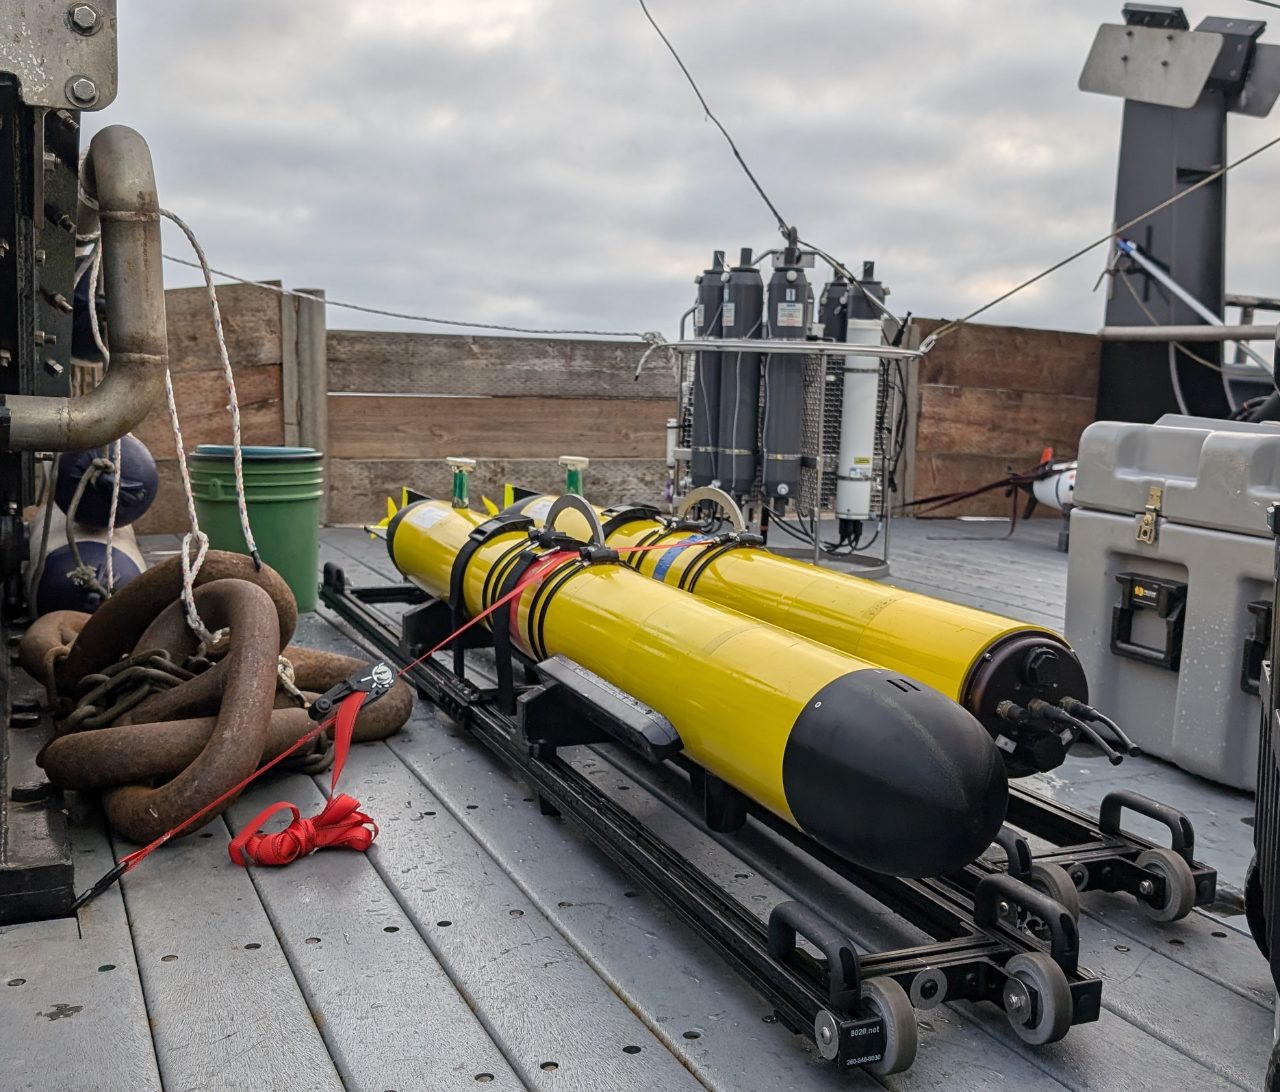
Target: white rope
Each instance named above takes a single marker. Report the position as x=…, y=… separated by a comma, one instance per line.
x=287, y=678
x=190, y=566
x=116, y=451
x=237, y=453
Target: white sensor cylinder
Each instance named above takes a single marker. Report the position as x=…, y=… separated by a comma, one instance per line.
x=856, y=470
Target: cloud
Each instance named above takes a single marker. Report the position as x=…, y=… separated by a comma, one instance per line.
x=544, y=162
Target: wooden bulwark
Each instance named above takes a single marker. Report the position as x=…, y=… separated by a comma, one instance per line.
x=408, y=427
x=400, y=403
x=986, y=399
x=251, y=323
x=990, y=398
x=405, y=363
x=359, y=487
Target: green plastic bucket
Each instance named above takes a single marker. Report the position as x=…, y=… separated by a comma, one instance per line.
x=283, y=487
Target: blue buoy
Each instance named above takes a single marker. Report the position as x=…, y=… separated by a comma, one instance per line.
x=139, y=483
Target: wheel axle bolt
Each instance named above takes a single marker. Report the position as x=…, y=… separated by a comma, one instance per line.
x=1015, y=1002
x=1146, y=887
x=825, y=1032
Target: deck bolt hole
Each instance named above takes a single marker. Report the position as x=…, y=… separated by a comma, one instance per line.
x=391, y=928
x=630, y=1050
x=107, y=967
x=252, y=946
x=549, y=1067
x=17, y=981
x=313, y=940
x=444, y=924
x=691, y=1034
x=168, y=958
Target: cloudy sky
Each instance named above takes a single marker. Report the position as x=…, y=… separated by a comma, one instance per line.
x=543, y=162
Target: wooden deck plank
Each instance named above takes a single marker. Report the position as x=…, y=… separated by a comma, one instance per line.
x=1177, y=1015
x=390, y=1015
x=1201, y=942
x=690, y=1000
x=71, y=1005
x=560, y=1025
x=223, y=1015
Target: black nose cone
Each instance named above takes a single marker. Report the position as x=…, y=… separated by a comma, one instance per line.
x=894, y=776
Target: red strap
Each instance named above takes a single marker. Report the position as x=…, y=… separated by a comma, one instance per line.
x=309, y=833
x=538, y=571
x=340, y=824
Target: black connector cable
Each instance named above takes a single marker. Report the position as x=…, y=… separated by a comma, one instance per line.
x=1079, y=709
x=1054, y=715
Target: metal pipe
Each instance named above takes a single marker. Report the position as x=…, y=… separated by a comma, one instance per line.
x=118, y=173
x=1135, y=254
x=1188, y=333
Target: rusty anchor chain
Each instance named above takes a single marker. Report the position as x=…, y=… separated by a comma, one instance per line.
x=162, y=726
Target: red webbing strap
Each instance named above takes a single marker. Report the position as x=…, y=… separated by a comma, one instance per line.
x=535, y=573
x=341, y=824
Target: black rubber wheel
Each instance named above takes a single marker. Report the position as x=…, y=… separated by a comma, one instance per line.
x=1273, y=1071
x=1180, y=885
x=1050, y=994
x=1054, y=880
x=901, y=1036
x=1254, y=913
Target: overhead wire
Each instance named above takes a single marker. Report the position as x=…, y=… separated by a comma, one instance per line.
x=787, y=230
x=955, y=324
x=649, y=337
x=783, y=226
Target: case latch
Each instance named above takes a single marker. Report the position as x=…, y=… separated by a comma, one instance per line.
x=1147, y=528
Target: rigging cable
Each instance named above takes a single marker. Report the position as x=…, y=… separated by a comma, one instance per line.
x=955, y=324
x=651, y=338
x=786, y=229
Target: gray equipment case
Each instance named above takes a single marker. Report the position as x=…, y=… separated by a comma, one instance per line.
x=1170, y=584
